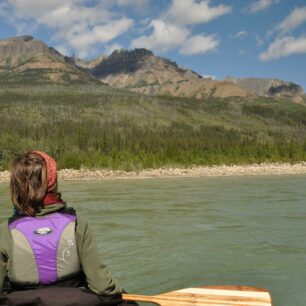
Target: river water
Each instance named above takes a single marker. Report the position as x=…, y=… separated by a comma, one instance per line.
x=160, y=235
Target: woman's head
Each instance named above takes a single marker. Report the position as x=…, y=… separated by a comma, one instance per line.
x=33, y=174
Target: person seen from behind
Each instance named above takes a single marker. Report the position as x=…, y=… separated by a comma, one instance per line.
x=46, y=245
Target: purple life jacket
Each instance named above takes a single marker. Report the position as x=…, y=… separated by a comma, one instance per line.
x=44, y=249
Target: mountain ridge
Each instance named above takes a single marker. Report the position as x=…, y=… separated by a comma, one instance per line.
x=25, y=59
x=140, y=71
x=136, y=70
x=28, y=60
x=268, y=87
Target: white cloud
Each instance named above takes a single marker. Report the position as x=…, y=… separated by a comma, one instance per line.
x=138, y=4
x=4, y=9
x=259, y=40
x=209, y=76
x=8, y=14
x=165, y=36
x=110, y=49
x=261, y=5
x=187, y=12
x=174, y=28
x=240, y=35
x=200, y=44
x=99, y=34
x=67, y=15
x=82, y=26
x=62, y=49
x=34, y=8
x=283, y=47
x=75, y=24
x=293, y=20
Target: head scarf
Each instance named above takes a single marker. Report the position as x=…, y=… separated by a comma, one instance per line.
x=51, y=169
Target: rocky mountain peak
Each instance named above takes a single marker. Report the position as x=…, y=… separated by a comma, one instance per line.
x=122, y=61
x=18, y=39
x=267, y=87
x=136, y=53
x=139, y=70
x=21, y=46
x=25, y=59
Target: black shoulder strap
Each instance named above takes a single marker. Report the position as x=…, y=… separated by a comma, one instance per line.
x=65, y=210
x=68, y=210
x=14, y=218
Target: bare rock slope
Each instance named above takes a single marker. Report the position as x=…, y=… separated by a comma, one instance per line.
x=27, y=60
x=269, y=87
x=141, y=71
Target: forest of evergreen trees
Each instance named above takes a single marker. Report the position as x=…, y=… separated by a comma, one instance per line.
x=95, y=128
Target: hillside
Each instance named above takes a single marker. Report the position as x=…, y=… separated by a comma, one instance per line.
x=141, y=71
x=270, y=87
x=98, y=127
x=25, y=60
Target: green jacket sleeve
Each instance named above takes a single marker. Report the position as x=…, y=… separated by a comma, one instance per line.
x=3, y=253
x=99, y=279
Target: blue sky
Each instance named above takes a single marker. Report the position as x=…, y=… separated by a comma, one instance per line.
x=259, y=38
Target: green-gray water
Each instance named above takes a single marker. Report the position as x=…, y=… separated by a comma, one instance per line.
x=166, y=234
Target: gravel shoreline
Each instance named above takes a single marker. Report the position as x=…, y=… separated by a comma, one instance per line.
x=235, y=170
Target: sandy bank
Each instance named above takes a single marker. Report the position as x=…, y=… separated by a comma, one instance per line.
x=236, y=170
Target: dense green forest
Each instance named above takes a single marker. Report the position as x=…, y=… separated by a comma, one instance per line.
x=97, y=127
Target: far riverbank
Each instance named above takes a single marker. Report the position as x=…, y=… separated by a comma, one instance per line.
x=198, y=171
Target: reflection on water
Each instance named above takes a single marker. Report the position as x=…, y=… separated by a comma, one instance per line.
x=166, y=234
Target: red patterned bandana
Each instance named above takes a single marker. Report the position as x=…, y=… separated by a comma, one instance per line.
x=53, y=198
x=51, y=169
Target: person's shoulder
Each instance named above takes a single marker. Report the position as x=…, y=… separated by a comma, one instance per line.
x=68, y=210
x=82, y=222
x=4, y=227
x=4, y=235
x=71, y=210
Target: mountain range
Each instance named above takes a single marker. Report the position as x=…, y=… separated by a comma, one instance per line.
x=25, y=60
x=30, y=61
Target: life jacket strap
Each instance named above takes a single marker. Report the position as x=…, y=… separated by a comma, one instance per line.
x=77, y=280
x=64, y=210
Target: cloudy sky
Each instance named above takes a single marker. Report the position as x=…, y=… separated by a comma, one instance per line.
x=260, y=38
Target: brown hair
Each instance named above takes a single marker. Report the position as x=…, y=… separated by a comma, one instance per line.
x=28, y=184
